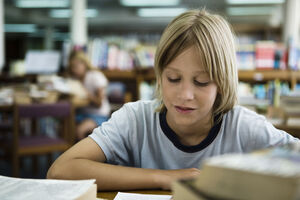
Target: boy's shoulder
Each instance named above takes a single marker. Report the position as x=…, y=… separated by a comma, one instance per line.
x=142, y=104
x=138, y=110
x=244, y=114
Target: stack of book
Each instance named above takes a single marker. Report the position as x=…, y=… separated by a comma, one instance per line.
x=269, y=174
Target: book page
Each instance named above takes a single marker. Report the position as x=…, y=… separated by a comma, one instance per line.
x=281, y=161
x=45, y=189
x=130, y=196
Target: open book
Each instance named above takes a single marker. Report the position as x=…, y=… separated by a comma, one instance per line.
x=136, y=196
x=37, y=189
x=271, y=174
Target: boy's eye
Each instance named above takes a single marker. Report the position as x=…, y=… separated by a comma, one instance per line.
x=173, y=80
x=201, y=84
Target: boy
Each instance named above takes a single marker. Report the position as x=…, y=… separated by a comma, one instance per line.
x=149, y=144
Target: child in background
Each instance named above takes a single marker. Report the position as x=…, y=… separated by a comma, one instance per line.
x=150, y=144
x=95, y=83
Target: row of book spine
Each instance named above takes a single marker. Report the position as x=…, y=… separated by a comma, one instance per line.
x=268, y=55
x=127, y=53
x=121, y=53
x=268, y=93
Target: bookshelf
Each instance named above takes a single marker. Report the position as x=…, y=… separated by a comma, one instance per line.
x=120, y=74
x=128, y=77
x=131, y=78
x=252, y=76
x=261, y=32
x=135, y=77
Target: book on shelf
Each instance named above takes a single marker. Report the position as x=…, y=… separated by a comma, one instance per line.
x=122, y=53
x=293, y=55
x=36, y=189
x=109, y=53
x=144, y=55
x=97, y=52
x=246, y=56
x=265, y=54
x=262, y=95
x=270, y=174
x=280, y=57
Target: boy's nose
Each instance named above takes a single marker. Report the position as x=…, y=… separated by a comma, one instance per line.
x=186, y=92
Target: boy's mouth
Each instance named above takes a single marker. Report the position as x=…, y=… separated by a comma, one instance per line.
x=183, y=109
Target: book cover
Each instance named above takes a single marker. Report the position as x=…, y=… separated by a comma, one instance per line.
x=270, y=174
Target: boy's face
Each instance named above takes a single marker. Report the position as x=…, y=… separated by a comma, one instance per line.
x=187, y=91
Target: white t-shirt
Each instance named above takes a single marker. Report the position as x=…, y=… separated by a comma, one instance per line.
x=138, y=136
x=94, y=80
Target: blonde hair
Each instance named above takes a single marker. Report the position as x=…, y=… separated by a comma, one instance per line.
x=80, y=55
x=212, y=37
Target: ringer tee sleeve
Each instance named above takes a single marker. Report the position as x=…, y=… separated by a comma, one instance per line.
x=256, y=132
x=114, y=136
x=266, y=135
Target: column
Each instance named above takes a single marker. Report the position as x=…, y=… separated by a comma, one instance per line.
x=48, y=40
x=1, y=35
x=291, y=22
x=78, y=23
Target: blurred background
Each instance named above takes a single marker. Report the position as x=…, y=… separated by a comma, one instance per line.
x=120, y=37
x=42, y=24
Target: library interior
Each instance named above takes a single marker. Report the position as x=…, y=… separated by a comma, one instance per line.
x=48, y=48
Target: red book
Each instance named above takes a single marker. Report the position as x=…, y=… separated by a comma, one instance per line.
x=265, y=54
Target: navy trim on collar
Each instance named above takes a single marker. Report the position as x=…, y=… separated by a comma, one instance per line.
x=171, y=135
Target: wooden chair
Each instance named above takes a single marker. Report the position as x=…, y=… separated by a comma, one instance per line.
x=38, y=143
x=5, y=131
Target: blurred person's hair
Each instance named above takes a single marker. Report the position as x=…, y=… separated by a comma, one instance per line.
x=79, y=55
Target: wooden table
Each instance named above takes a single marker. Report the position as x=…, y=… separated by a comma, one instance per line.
x=111, y=195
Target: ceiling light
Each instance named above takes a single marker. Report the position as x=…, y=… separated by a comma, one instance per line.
x=66, y=13
x=160, y=12
x=242, y=11
x=20, y=28
x=149, y=2
x=42, y=3
x=240, y=2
